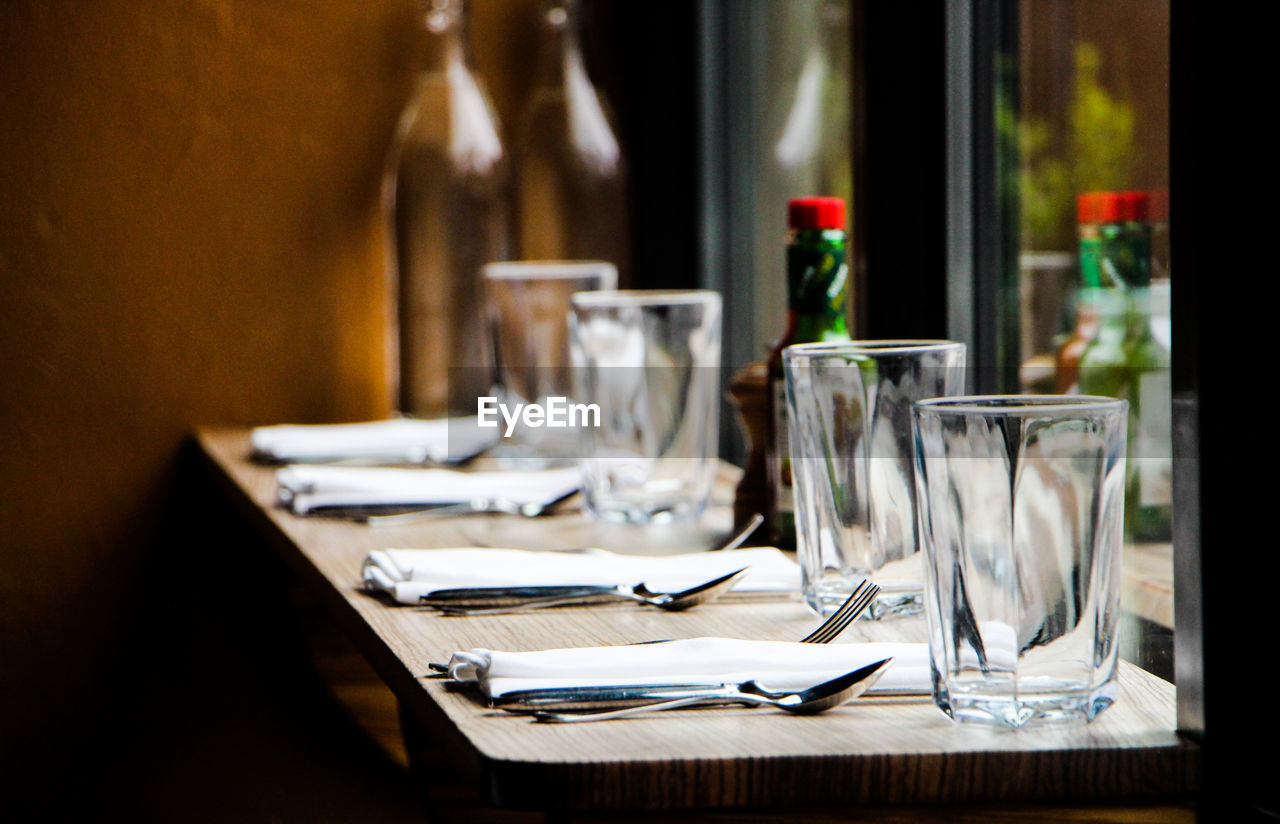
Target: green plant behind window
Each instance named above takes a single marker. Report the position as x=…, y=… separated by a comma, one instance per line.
x=1099, y=156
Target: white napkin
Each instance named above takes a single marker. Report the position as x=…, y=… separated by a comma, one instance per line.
x=399, y=440
x=407, y=574
x=306, y=488
x=779, y=665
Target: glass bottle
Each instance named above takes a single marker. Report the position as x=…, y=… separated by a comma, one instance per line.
x=817, y=299
x=571, y=177
x=1129, y=359
x=447, y=198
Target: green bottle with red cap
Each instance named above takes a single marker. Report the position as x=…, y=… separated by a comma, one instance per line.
x=1127, y=359
x=817, y=308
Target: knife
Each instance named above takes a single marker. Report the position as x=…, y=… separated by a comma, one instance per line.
x=618, y=696
x=461, y=597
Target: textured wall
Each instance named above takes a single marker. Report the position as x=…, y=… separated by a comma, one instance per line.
x=189, y=234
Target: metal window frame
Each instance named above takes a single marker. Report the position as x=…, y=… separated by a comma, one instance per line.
x=982, y=206
x=728, y=45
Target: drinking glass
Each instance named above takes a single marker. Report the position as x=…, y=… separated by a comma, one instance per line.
x=849, y=406
x=649, y=363
x=1021, y=518
x=527, y=314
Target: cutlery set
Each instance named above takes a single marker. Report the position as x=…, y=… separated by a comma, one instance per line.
x=499, y=600
x=479, y=506
x=604, y=702
x=815, y=699
x=600, y=703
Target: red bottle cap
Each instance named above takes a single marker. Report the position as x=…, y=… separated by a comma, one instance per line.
x=1089, y=207
x=1110, y=207
x=1135, y=206
x=816, y=213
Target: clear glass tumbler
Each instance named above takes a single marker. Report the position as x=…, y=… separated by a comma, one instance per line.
x=1021, y=516
x=849, y=405
x=527, y=308
x=649, y=364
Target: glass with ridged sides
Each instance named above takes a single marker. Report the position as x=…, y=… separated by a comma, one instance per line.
x=849, y=405
x=1021, y=504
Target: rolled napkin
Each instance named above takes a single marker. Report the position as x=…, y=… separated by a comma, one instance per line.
x=307, y=488
x=777, y=665
x=399, y=440
x=408, y=574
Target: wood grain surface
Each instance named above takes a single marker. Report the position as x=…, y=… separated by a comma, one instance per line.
x=879, y=751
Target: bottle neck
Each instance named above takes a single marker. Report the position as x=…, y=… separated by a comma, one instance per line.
x=445, y=46
x=560, y=56
x=564, y=87
x=1124, y=314
x=817, y=286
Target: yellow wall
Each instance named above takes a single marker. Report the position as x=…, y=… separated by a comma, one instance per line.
x=189, y=234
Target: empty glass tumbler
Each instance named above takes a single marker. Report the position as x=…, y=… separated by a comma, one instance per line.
x=850, y=409
x=527, y=308
x=1021, y=516
x=647, y=367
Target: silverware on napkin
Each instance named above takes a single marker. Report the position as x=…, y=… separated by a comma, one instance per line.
x=478, y=506
x=495, y=600
x=809, y=701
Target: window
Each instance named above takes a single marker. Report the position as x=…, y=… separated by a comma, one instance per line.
x=974, y=129
x=1067, y=286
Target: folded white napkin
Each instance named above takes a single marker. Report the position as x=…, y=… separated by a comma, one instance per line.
x=780, y=665
x=399, y=440
x=306, y=488
x=407, y=574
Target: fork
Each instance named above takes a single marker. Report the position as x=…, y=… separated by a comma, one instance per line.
x=864, y=593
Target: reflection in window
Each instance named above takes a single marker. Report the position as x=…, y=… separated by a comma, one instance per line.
x=800, y=143
x=1094, y=283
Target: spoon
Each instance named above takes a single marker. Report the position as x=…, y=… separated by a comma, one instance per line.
x=465, y=601
x=740, y=537
x=811, y=701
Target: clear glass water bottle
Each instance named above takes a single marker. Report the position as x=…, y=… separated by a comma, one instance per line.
x=571, y=175
x=447, y=198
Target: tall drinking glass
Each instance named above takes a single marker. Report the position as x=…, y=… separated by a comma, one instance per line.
x=648, y=364
x=850, y=411
x=1021, y=516
x=527, y=314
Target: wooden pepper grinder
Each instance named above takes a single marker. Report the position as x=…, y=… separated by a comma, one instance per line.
x=749, y=389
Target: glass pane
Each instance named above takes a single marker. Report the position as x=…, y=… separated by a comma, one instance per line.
x=1094, y=279
x=798, y=135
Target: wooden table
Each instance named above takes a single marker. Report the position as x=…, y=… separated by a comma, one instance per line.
x=878, y=752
